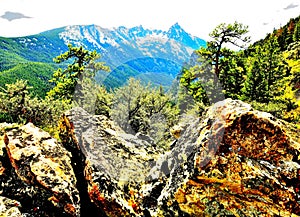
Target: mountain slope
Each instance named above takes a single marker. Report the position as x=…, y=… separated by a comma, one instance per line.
x=128, y=51
x=36, y=73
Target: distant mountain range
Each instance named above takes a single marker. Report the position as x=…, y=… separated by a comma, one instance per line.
x=154, y=56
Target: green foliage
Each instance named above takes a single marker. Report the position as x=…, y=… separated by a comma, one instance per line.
x=255, y=86
x=224, y=34
x=296, y=35
x=139, y=108
x=232, y=74
x=219, y=70
x=32, y=48
x=103, y=101
x=37, y=75
x=201, y=82
x=14, y=101
x=84, y=65
x=9, y=60
x=17, y=105
x=30, y=58
x=292, y=56
x=93, y=98
x=288, y=33
x=266, y=66
x=269, y=83
x=266, y=74
x=262, y=74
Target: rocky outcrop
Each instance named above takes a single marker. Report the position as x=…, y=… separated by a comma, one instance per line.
x=233, y=161
x=116, y=164
x=243, y=163
x=36, y=175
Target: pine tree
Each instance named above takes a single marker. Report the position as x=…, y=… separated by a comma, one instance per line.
x=232, y=74
x=215, y=64
x=282, y=39
x=255, y=86
x=274, y=65
x=223, y=34
x=67, y=80
x=296, y=35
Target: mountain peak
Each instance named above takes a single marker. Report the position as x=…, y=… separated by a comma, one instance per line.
x=176, y=31
x=175, y=27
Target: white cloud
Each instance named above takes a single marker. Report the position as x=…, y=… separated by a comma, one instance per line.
x=196, y=16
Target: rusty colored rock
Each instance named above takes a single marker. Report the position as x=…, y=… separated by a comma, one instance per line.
x=246, y=164
x=233, y=161
x=116, y=164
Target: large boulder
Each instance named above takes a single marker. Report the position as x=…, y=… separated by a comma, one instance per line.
x=243, y=163
x=36, y=175
x=116, y=164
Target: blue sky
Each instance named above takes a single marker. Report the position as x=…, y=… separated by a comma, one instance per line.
x=198, y=17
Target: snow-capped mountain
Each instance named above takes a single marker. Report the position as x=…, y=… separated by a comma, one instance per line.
x=153, y=55
x=136, y=51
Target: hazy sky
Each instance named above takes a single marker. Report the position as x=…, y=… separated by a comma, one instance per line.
x=198, y=17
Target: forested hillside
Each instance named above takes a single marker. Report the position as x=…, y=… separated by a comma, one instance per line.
x=265, y=74
x=30, y=58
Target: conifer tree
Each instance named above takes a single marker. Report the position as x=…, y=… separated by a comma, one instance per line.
x=214, y=63
x=232, y=74
x=223, y=34
x=296, y=35
x=140, y=108
x=266, y=67
x=255, y=86
x=274, y=65
x=84, y=65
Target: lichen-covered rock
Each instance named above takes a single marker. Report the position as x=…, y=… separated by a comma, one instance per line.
x=244, y=163
x=234, y=161
x=36, y=170
x=116, y=164
x=9, y=208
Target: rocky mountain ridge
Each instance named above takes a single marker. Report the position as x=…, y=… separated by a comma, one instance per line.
x=233, y=161
x=152, y=55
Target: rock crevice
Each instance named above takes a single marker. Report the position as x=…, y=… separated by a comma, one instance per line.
x=233, y=161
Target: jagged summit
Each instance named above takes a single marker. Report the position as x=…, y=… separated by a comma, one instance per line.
x=136, y=50
x=153, y=55
x=176, y=28
x=177, y=33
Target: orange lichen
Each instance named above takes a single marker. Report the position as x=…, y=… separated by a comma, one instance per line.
x=70, y=209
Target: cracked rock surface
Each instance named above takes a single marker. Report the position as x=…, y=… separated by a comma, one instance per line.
x=233, y=161
x=36, y=172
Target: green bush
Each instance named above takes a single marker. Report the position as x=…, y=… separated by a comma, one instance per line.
x=137, y=108
x=17, y=105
